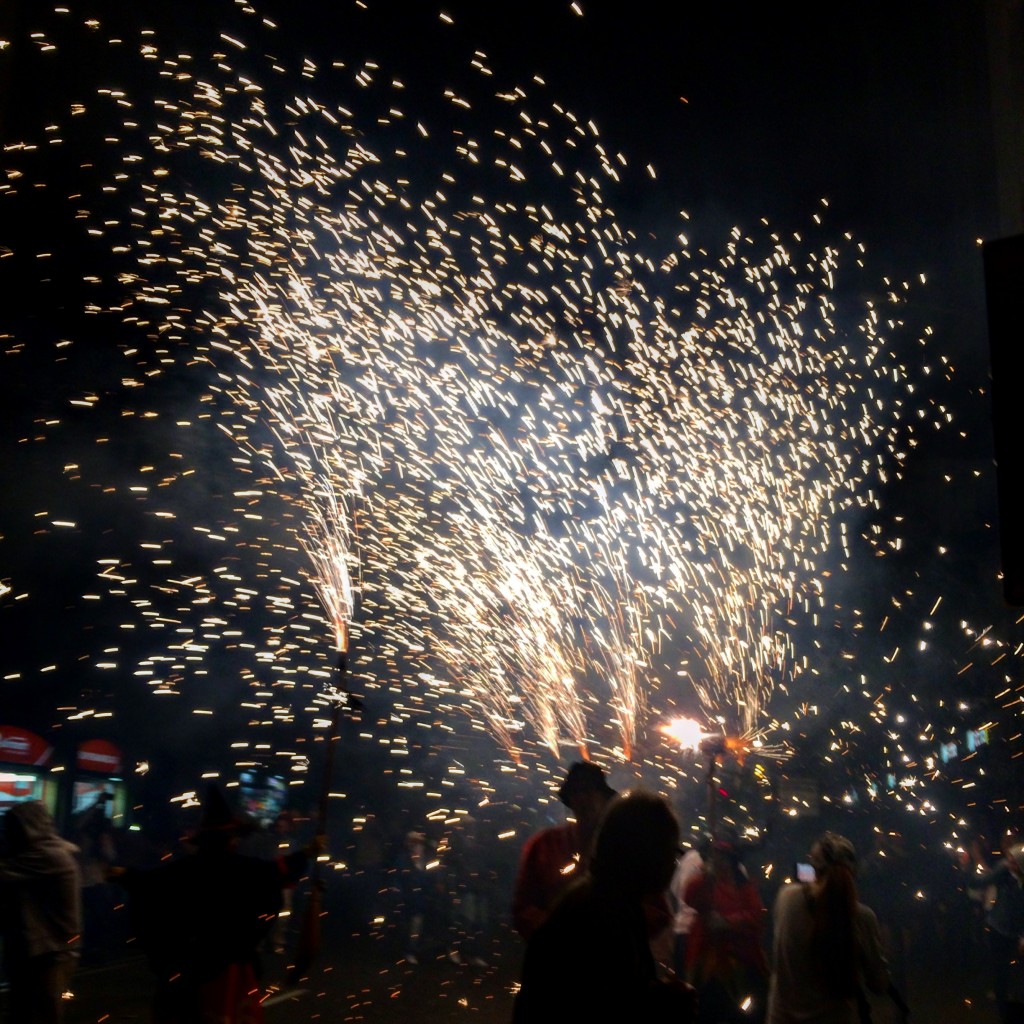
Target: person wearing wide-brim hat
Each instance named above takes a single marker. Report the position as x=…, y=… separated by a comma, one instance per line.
x=725, y=960
x=591, y=959
x=554, y=857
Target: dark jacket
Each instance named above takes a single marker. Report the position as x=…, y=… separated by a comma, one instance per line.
x=203, y=912
x=591, y=961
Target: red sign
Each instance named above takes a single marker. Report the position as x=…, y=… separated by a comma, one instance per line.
x=99, y=756
x=19, y=746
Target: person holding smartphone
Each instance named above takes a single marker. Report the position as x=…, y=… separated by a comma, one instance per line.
x=827, y=945
x=805, y=873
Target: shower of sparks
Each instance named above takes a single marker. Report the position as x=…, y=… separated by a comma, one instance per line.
x=570, y=457
x=595, y=484
x=328, y=545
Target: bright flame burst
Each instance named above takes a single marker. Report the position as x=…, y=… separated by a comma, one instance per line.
x=577, y=466
x=686, y=733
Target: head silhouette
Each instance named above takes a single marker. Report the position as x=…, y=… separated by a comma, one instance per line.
x=637, y=844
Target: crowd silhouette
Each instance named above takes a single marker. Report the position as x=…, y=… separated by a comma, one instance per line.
x=622, y=913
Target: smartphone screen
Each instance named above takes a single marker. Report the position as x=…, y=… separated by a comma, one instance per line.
x=804, y=873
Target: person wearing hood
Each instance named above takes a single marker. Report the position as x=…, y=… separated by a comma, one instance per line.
x=725, y=960
x=41, y=913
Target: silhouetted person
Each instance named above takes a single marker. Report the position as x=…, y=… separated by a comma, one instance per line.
x=93, y=834
x=467, y=894
x=827, y=946
x=591, y=960
x=684, y=916
x=41, y=913
x=725, y=960
x=553, y=857
x=202, y=917
x=366, y=878
x=284, y=840
x=1004, y=924
x=887, y=879
x=417, y=886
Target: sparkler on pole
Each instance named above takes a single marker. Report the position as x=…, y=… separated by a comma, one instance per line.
x=327, y=543
x=713, y=747
x=690, y=735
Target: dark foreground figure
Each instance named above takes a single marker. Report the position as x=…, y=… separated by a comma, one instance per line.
x=202, y=918
x=551, y=859
x=591, y=959
x=41, y=913
x=1004, y=926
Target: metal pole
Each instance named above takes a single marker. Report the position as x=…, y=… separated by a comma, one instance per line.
x=309, y=941
x=712, y=796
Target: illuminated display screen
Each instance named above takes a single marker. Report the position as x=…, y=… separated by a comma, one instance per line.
x=17, y=787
